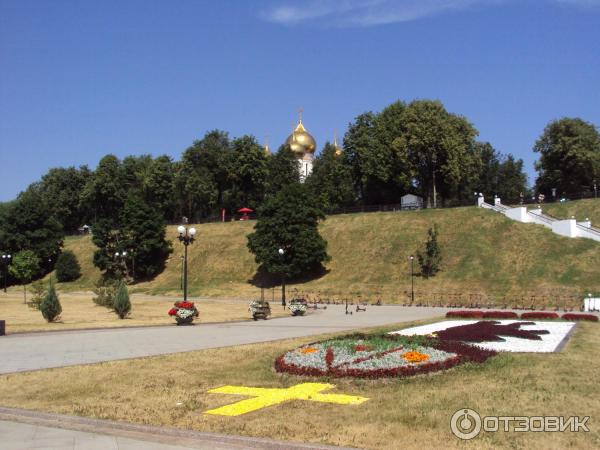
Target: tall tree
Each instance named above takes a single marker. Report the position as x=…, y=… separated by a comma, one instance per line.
x=159, y=186
x=289, y=221
x=436, y=143
x=106, y=191
x=569, y=161
x=248, y=173
x=331, y=180
x=282, y=169
x=25, y=265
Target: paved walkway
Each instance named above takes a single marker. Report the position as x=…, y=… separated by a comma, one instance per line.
x=33, y=351
x=24, y=430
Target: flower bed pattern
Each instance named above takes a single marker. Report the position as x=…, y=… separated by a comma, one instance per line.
x=500, y=315
x=184, y=312
x=590, y=317
x=363, y=356
x=465, y=314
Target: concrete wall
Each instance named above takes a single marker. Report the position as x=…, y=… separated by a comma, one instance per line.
x=566, y=228
x=519, y=214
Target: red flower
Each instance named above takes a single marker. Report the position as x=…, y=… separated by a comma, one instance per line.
x=184, y=305
x=539, y=315
x=465, y=314
x=590, y=317
x=361, y=348
x=173, y=311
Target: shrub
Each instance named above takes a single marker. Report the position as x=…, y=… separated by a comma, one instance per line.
x=105, y=291
x=500, y=315
x=430, y=258
x=122, y=305
x=539, y=315
x=50, y=307
x=39, y=294
x=465, y=314
x=590, y=317
x=67, y=267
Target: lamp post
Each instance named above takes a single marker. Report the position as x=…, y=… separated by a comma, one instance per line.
x=132, y=256
x=5, y=262
x=186, y=236
x=281, y=253
x=122, y=255
x=412, y=279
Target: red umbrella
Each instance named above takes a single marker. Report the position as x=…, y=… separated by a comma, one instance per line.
x=245, y=210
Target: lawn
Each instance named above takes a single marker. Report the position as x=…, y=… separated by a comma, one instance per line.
x=400, y=413
x=79, y=311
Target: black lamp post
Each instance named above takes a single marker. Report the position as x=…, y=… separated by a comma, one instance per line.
x=122, y=255
x=186, y=236
x=132, y=256
x=5, y=262
x=412, y=279
x=281, y=253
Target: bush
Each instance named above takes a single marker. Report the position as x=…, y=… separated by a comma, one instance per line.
x=50, y=307
x=122, y=305
x=465, y=314
x=67, y=267
x=539, y=315
x=589, y=317
x=39, y=294
x=430, y=258
x=500, y=315
x=105, y=291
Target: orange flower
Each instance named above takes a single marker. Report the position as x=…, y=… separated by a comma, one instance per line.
x=308, y=350
x=415, y=357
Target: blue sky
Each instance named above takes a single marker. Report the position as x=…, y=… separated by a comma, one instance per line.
x=80, y=79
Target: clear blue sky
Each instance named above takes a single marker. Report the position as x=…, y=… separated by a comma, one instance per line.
x=80, y=79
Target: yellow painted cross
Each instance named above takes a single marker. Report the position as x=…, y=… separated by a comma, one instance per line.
x=264, y=397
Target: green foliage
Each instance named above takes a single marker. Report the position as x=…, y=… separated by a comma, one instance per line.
x=25, y=265
x=282, y=169
x=289, y=221
x=430, y=258
x=105, y=193
x=39, y=290
x=248, y=173
x=105, y=290
x=569, y=157
x=331, y=180
x=50, y=306
x=67, y=267
x=121, y=304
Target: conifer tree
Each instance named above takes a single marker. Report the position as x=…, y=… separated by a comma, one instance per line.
x=50, y=306
x=122, y=305
x=431, y=257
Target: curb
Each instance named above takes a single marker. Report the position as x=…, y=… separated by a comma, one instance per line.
x=163, y=435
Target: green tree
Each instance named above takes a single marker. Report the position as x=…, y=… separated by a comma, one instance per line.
x=512, y=181
x=50, y=307
x=38, y=294
x=143, y=232
x=67, y=267
x=108, y=239
x=106, y=191
x=289, y=221
x=331, y=180
x=105, y=291
x=159, y=186
x=569, y=161
x=122, y=305
x=282, y=168
x=25, y=265
x=430, y=258
x=248, y=173
x=436, y=143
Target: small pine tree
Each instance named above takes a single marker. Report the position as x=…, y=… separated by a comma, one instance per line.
x=50, y=306
x=122, y=305
x=67, y=267
x=431, y=258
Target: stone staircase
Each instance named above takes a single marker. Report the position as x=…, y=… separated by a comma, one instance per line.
x=563, y=227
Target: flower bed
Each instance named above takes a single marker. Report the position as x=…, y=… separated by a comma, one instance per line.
x=377, y=356
x=489, y=331
x=571, y=316
x=500, y=315
x=465, y=314
x=539, y=315
x=184, y=312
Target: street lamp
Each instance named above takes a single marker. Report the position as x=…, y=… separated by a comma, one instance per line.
x=412, y=279
x=186, y=236
x=5, y=262
x=122, y=255
x=281, y=253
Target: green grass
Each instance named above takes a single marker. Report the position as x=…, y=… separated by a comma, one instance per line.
x=484, y=253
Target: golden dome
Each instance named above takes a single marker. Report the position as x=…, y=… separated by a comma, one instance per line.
x=338, y=149
x=301, y=141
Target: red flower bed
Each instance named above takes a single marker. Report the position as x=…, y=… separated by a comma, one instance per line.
x=571, y=316
x=539, y=315
x=465, y=314
x=500, y=315
x=173, y=311
x=489, y=331
x=184, y=305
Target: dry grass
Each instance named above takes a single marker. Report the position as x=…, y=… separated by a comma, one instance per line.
x=79, y=311
x=401, y=413
x=484, y=253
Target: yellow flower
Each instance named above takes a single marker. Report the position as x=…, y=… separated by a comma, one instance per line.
x=415, y=357
x=308, y=350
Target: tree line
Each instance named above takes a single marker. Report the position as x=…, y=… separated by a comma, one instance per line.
x=417, y=147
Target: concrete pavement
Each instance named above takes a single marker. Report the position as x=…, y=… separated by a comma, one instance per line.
x=33, y=351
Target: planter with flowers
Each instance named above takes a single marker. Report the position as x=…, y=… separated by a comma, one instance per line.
x=184, y=312
x=298, y=306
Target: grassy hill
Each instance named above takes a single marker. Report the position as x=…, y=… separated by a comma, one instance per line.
x=486, y=258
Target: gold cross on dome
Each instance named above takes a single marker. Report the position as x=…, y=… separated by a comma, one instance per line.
x=300, y=112
x=264, y=397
